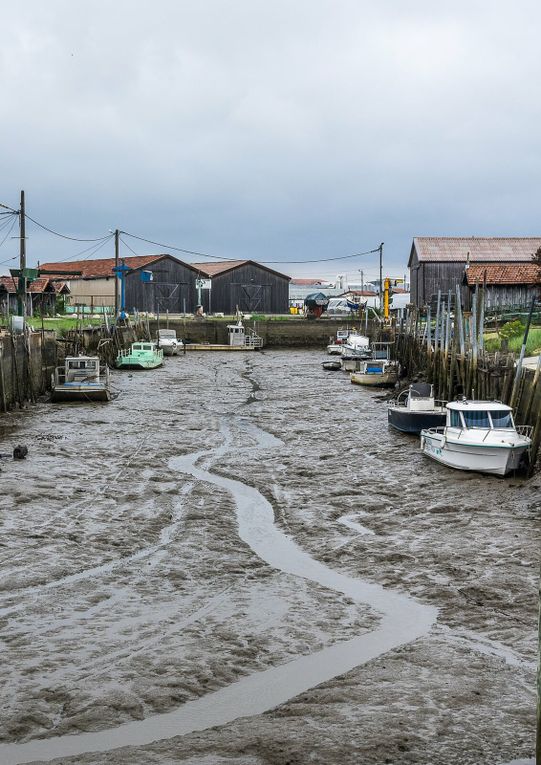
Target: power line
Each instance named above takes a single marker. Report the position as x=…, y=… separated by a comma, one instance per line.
x=128, y=246
x=93, y=247
x=6, y=236
x=268, y=262
x=64, y=236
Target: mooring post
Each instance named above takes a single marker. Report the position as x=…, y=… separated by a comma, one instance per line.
x=522, y=354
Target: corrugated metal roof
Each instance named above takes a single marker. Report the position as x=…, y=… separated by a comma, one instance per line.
x=494, y=273
x=481, y=249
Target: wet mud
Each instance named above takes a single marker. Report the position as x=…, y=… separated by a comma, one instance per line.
x=199, y=556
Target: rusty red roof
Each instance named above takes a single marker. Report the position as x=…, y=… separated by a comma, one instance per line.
x=103, y=267
x=9, y=283
x=309, y=282
x=222, y=266
x=496, y=273
x=484, y=249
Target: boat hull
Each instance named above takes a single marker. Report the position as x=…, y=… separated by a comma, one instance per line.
x=375, y=380
x=127, y=363
x=63, y=393
x=491, y=459
x=169, y=350
x=332, y=365
x=407, y=421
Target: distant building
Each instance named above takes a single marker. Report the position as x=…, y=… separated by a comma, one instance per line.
x=440, y=263
x=299, y=288
x=244, y=284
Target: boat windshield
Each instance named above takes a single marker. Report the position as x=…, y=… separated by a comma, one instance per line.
x=501, y=418
x=476, y=419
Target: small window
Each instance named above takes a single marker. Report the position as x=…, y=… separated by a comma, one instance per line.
x=136, y=347
x=501, y=418
x=456, y=422
x=478, y=419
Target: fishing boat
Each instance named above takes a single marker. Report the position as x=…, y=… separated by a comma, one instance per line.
x=335, y=348
x=479, y=436
x=82, y=378
x=357, y=346
x=166, y=339
x=379, y=371
x=415, y=409
x=142, y=355
x=240, y=339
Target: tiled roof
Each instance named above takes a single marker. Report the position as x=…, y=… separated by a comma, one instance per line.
x=494, y=273
x=219, y=267
x=222, y=266
x=308, y=282
x=9, y=283
x=481, y=249
x=100, y=268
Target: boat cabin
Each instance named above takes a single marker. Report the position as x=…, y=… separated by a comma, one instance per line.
x=484, y=415
x=143, y=347
x=167, y=334
x=381, y=350
x=236, y=334
x=79, y=368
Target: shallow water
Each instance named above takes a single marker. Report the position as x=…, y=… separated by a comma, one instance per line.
x=118, y=526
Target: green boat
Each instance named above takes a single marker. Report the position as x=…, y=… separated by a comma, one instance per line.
x=140, y=356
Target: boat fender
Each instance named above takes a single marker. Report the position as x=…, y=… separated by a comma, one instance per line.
x=20, y=452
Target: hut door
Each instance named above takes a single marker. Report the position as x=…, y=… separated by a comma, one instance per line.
x=250, y=297
x=168, y=297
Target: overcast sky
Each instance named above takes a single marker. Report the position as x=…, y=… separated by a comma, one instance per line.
x=284, y=130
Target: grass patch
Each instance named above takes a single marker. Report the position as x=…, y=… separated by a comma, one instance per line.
x=533, y=346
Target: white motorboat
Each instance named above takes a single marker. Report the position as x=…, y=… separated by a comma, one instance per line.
x=82, y=378
x=415, y=409
x=335, y=348
x=479, y=436
x=357, y=346
x=166, y=339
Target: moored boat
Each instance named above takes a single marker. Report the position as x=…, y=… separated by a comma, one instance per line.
x=166, y=339
x=415, y=409
x=479, y=436
x=333, y=366
x=335, y=348
x=82, y=378
x=141, y=355
x=377, y=373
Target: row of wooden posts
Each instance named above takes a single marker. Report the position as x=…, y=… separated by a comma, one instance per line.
x=448, y=351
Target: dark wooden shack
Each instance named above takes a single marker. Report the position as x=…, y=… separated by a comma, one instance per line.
x=243, y=284
x=507, y=286
x=439, y=263
x=172, y=288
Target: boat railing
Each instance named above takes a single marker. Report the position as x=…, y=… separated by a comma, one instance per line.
x=253, y=340
x=524, y=430
x=440, y=430
x=81, y=375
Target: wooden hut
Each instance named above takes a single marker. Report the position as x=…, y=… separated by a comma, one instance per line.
x=250, y=286
x=439, y=263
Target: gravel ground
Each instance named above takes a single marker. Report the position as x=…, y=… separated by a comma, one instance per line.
x=127, y=592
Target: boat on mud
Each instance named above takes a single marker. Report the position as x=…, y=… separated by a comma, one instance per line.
x=357, y=346
x=166, y=339
x=239, y=339
x=379, y=371
x=415, y=409
x=333, y=366
x=141, y=355
x=82, y=378
x=479, y=436
x=335, y=347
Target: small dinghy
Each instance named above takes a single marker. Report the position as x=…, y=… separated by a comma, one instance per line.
x=479, y=436
x=332, y=365
x=415, y=409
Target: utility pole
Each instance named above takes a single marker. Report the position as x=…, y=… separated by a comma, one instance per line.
x=117, y=237
x=362, y=280
x=21, y=288
x=381, y=277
